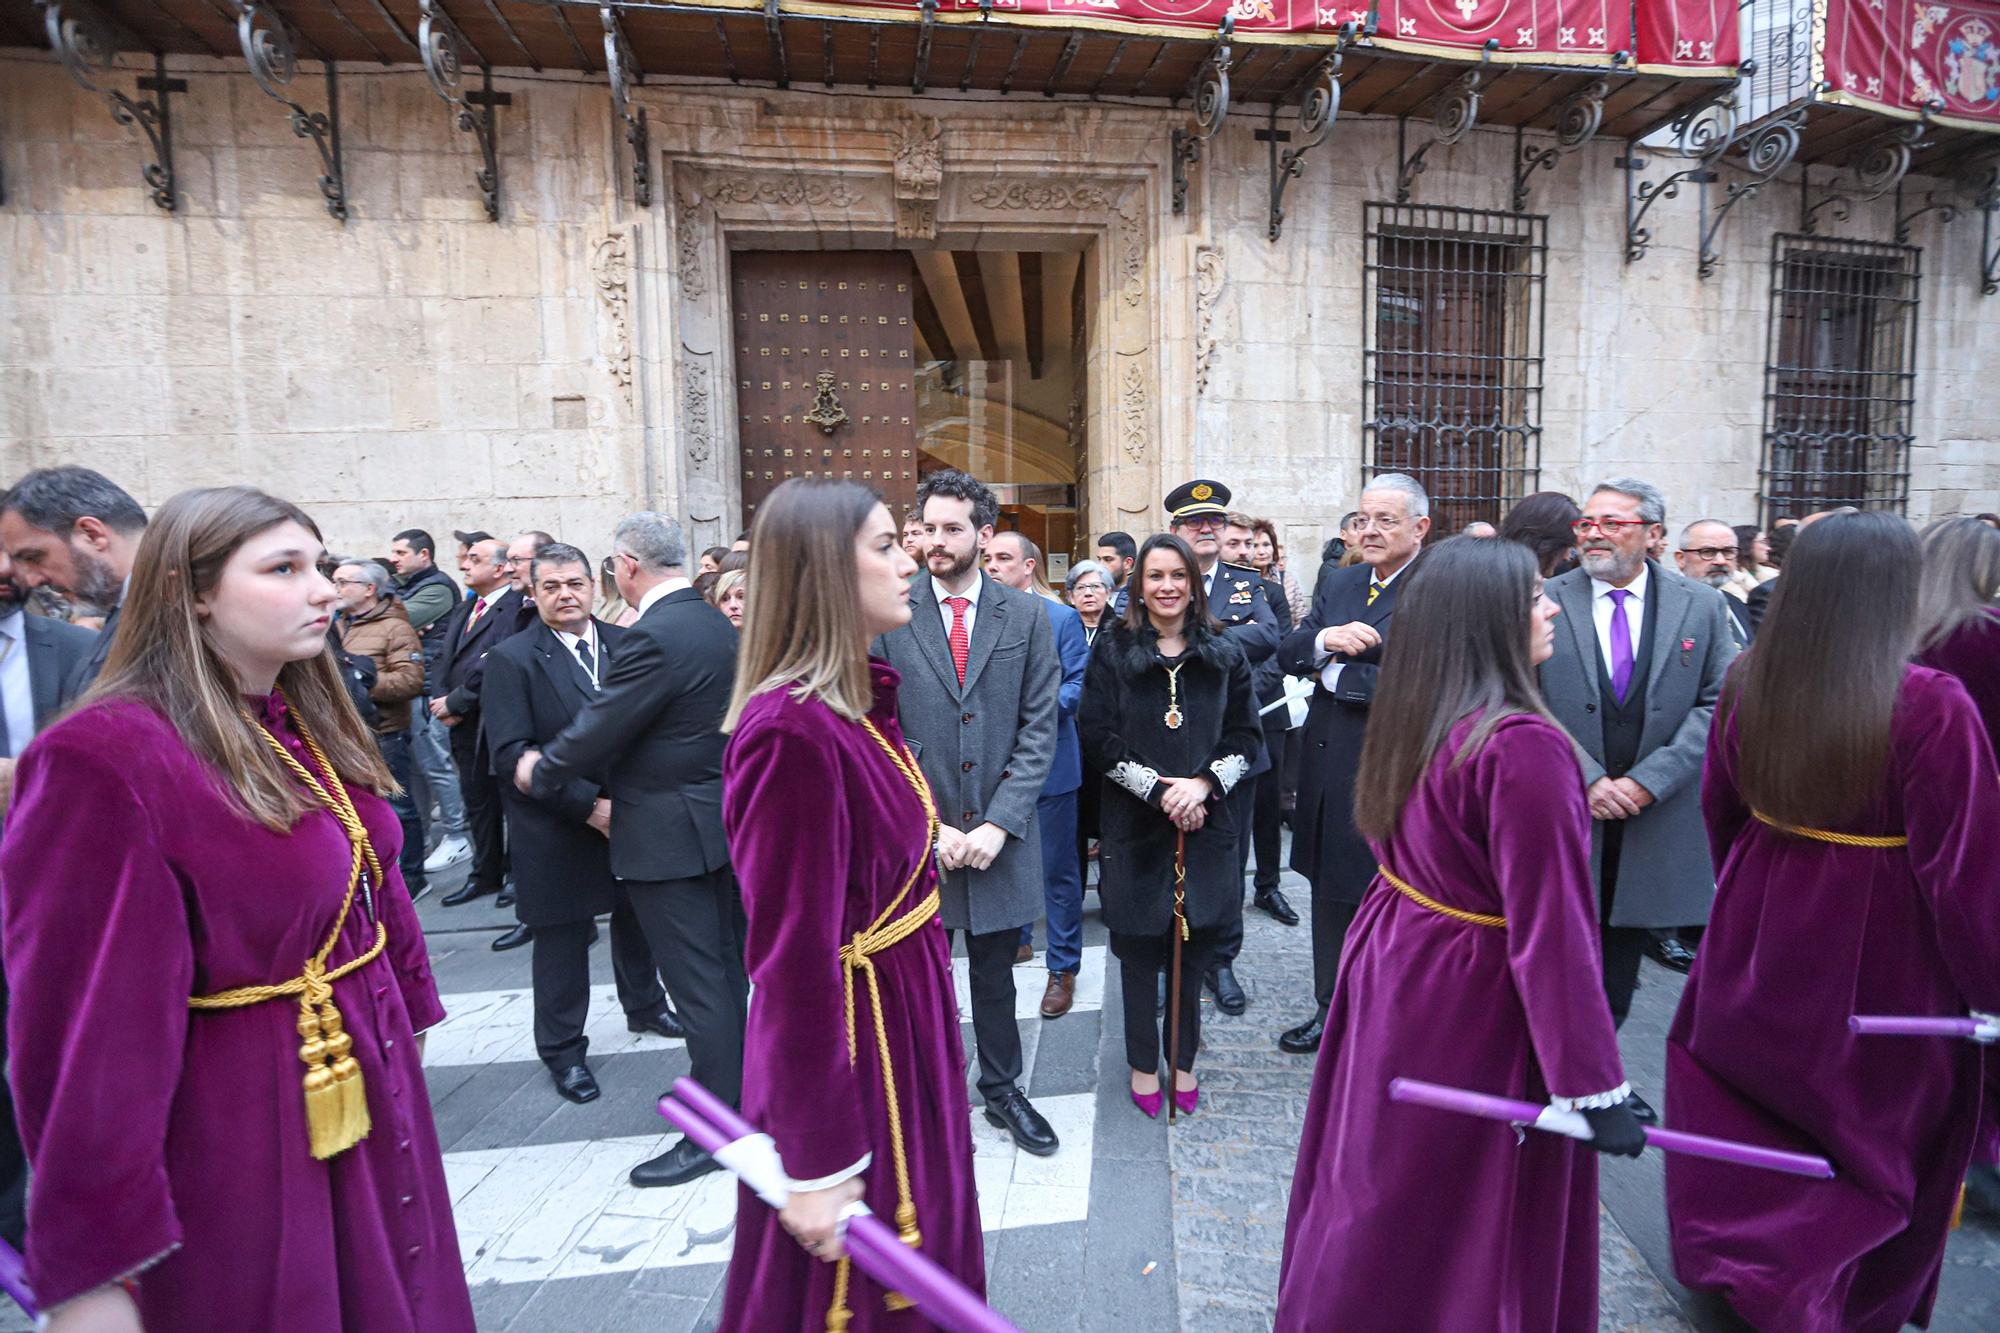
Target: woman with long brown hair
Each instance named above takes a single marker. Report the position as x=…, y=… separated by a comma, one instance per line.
x=201, y=898
x=1472, y=962
x=1851, y=799
x=1170, y=719
x=852, y=1061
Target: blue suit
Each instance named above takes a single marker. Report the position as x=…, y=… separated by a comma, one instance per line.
x=1062, y=874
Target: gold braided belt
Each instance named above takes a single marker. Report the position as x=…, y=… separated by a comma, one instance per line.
x=1455, y=913
x=1875, y=840
x=336, y=1106
x=886, y=931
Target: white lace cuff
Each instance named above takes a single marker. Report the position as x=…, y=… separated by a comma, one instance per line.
x=1229, y=771
x=1135, y=778
x=827, y=1182
x=1597, y=1101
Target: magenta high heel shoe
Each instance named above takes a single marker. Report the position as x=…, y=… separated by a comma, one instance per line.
x=1150, y=1102
x=1185, y=1102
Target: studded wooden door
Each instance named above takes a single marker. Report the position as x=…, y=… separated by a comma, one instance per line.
x=824, y=382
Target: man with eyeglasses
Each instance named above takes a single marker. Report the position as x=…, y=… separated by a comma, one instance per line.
x=1339, y=644
x=1634, y=680
x=1198, y=513
x=1707, y=554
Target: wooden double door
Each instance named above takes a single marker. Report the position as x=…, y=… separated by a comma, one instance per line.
x=825, y=371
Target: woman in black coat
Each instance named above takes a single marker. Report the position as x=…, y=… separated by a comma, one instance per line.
x=1170, y=719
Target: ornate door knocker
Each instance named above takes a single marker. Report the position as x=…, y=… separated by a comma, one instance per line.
x=827, y=413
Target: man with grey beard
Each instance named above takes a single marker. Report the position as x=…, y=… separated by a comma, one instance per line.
x=74, y=530
x=1707, y=554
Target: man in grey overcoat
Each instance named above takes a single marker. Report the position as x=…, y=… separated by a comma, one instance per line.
x=1639, y=659
x=978, y=705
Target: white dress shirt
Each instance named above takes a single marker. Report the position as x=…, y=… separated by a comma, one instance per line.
x=589, y=636
x=971, y=595
x=661, y=589
x=1329, y=675
x=1602, y=605
x=17, y=692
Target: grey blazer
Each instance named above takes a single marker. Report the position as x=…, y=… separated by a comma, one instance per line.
x=56, y=654
x=985, y=747
x=1665, y=877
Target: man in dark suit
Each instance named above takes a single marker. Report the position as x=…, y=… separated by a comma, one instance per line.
x=1198, y=513
x=980, y=694
x=536, y=683
x=655, y=732
x=78, y=532
x=494, y=613
x=1340, y=645
x=1707, y=554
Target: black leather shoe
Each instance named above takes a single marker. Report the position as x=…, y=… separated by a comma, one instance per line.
x=1303, y=1039
x=1641, y=1110
x=676, y=1166
x=1671, y=954
x=666, y=1023
x=1273, y=901
x=460, y=897
x=504, y=901
x=576, y=1084
x=1229, y=996
x=1031, y=1133
x=513, y=939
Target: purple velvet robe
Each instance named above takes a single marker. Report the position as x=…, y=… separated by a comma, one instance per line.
x=1410, y=1218
x=1803, y=934
x=170, y=1143
x=823, y=830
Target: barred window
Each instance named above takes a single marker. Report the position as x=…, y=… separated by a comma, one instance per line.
x=1839, y=375
x=1452, y=354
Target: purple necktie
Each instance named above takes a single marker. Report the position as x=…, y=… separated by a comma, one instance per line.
x=1621, y=644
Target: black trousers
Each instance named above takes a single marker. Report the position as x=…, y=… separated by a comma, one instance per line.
x=695, y=930
x=1268, y=808
x=1624, y=946
x=561, y=972
x=1331, y=918
x=995, y=1034
x=1242, y=802
x=1141, y=960
x=483, y=817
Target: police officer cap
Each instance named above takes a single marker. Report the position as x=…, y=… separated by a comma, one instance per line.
x=1197, y=497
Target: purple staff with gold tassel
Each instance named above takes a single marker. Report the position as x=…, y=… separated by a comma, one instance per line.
x=14, y=1279
x=1982, y=1028
x=874, y=1246
x=1571, y=1124
x=1179, y=930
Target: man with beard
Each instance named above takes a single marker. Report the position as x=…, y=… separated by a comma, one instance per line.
x=1634, y=680
x=979, y=697
x=78, y=532
x=1707, y=554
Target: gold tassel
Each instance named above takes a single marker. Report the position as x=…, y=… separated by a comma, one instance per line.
x=336, y=1105
x=838, y=1316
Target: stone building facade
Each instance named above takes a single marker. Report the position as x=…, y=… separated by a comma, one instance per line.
x=422, y=365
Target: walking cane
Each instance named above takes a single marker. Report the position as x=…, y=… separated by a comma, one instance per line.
x=1179, y=932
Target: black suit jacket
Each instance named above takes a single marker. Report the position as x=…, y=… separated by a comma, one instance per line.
x=1758, y=603
x=84, y=674
x=1326, y=849
x=533, y=688
x=655, y=731
x=58, y=654
x=462, y=662
x=1739, y=614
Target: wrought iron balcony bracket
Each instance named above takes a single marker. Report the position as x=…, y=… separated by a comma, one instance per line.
x=1871, y=171
x=1211, y=105
x=1710, y=135
x=774, y=33
x=1318, y=109
x=1453, y=115
x=623, y=68
x=1989, y=251
x=1577, y=123
x=269, y=50
x=445, y=50
x=87, y=45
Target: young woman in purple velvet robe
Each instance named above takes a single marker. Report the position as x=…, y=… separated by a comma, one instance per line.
x=212, y=819
x=1473, y=962
x=1851, y=799
x=852, y=1061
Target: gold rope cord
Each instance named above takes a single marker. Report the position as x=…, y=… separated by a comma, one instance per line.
x=336, y=1106
x=1827, y=835
x=886, y=931
x=1455, y=913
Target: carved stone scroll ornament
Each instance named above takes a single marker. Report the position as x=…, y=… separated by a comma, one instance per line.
x=919, y=158
x=1208, y=281
x=1037, y=197
x=1132, y=410
x=697, y=420
x=1132, y=256
x=788, y=193
x=690, y=247
x=611, y=268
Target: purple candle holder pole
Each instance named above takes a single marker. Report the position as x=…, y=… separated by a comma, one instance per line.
x=14, y=1279
x=1920, y=1025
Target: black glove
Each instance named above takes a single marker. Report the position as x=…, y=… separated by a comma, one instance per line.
x=1615, y=1130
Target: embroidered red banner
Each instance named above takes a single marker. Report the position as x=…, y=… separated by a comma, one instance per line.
x=1688, y=36
x=1908, y=54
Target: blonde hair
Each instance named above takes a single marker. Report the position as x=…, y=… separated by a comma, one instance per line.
x=163, y=657
x=806, y=634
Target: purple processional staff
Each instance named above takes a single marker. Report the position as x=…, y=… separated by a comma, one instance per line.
x=217, y=975
x=1851, y=800
x=853, y=1063
x=1472, y=962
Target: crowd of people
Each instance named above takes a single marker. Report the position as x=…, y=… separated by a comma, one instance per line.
x=1514, y=762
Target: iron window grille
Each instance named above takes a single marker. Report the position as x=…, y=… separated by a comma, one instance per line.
x=1452, y=332
x=1839, y=375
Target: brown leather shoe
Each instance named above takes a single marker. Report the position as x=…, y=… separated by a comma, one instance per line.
x=1060, y=995
x=1024, y=954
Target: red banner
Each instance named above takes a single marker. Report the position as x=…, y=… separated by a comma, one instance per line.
x=1689, y=36
x=1909, y=54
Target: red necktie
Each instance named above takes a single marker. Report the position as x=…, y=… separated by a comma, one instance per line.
x=961, y=638
x=478, y=610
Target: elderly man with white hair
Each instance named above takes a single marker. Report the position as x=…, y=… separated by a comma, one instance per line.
x=373, y=624
x=1339, y=644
